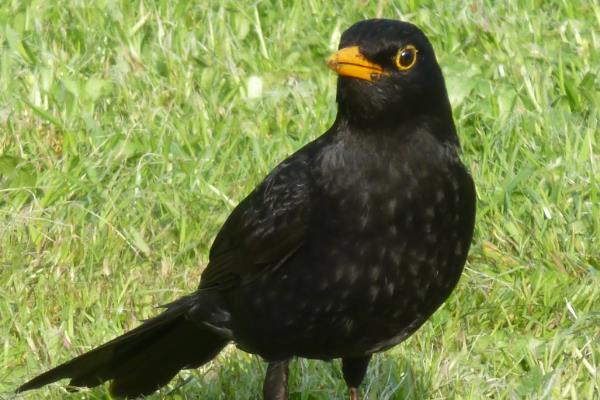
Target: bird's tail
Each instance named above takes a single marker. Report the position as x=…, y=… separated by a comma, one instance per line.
x=144, y=359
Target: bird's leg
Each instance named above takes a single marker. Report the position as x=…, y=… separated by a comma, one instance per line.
x=275, y=386
x=354, y=370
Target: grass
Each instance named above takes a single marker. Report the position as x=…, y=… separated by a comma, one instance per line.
x=129, y=130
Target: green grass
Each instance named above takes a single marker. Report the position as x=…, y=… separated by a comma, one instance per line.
x=127, y=135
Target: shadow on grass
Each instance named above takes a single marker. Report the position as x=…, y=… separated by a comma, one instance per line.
x=239, y=376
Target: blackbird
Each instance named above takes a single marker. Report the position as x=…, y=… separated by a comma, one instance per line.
x=343, y=250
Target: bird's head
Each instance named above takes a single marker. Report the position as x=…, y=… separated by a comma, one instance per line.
x=388, y=74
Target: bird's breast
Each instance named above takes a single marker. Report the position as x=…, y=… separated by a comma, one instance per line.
x=397, y=239
x=385, y=249
x=403, y=233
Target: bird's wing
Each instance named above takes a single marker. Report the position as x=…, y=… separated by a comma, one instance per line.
x=265, y=229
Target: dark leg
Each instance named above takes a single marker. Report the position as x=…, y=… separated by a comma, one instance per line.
x=275, y=386
x=354, y=370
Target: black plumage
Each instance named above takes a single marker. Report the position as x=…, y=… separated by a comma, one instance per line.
x=344, y=250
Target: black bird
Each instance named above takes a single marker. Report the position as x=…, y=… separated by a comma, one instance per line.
x=344, y=250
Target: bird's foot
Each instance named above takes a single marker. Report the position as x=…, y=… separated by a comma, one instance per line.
x=353, y=393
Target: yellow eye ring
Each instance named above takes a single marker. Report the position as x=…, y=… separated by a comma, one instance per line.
x=406, y=57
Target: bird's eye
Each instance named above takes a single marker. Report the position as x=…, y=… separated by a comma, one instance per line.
x=406, y=57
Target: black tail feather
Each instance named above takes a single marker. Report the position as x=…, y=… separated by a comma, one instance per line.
x=142, y=360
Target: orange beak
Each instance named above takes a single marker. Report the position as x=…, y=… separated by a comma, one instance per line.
x=350, y=62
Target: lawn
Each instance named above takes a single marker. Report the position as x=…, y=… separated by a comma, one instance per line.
x=130, y=129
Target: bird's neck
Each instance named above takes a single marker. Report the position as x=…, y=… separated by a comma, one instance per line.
x=440, y=126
